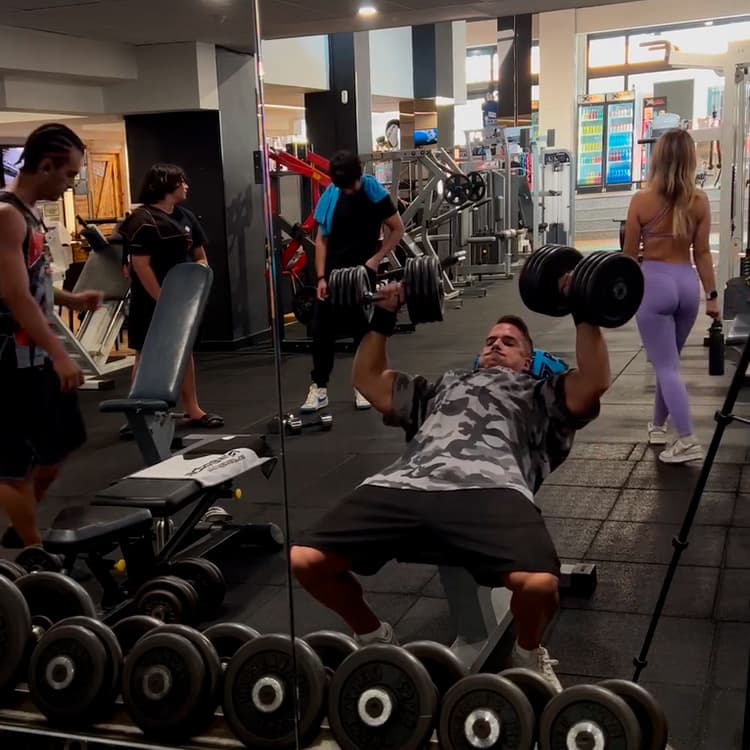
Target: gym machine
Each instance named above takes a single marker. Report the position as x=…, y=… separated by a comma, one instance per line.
x=92, y=344
x=553, y=196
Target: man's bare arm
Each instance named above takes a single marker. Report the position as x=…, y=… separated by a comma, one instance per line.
x=142, y=266
x=321, y=251
x=585, y=386
x=14, y=285
x=370, y=374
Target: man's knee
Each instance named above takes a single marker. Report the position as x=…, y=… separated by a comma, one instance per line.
x=43, y=478
x=540, y=585
x=310, y=564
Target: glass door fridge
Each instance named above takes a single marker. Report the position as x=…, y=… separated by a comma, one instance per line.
x=591, y=109
x=619, y=148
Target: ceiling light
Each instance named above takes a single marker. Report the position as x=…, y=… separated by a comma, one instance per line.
x=708, y=23
x=368, y=10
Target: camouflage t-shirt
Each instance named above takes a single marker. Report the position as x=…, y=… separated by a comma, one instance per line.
x=479, y=429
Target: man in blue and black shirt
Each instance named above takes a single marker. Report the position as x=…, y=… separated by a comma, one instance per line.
x=350, y=218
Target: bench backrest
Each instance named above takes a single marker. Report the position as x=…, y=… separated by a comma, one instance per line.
x=102, y=272
x=172, y=333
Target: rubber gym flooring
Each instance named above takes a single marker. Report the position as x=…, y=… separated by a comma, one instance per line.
x=611, y=502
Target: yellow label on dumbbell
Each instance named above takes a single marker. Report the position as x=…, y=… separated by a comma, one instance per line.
x=238, y=494
x=120, y=566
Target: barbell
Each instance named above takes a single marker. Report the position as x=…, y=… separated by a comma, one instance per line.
x=352, y=288
x=606, y=289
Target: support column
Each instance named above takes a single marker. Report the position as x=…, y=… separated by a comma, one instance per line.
x=514, y=53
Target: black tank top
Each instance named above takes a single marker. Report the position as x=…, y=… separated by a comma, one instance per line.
x=17, y=350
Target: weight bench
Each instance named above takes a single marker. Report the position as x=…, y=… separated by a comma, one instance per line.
x=137, y=514
x=163, y=361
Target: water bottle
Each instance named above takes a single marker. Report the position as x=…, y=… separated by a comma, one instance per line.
x=715, y=349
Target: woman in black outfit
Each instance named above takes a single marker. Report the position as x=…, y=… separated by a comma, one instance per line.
x=158, y=235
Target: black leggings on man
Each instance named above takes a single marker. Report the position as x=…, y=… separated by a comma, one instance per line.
x=328, y=324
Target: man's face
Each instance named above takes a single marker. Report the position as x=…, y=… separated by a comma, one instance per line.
x=355, y=188
x=181, y=193
x=56, y=178
x=505, y=346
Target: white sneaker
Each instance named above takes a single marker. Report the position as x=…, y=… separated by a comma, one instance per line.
x=683, y=449
x=384, y=634
x=538, y=661
x=657, y=435
x=317, y=399
x=360, y=401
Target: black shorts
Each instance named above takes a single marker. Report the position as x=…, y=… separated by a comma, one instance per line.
x=489, y=532
x=139, y=319
x=39, y=425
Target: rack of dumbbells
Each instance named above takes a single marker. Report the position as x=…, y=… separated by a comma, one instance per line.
x=150, y=683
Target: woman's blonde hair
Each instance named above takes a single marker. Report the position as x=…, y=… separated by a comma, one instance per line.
x=673, y=166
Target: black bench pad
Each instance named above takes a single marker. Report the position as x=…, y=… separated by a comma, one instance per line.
x=79, y=524
x=163, y=497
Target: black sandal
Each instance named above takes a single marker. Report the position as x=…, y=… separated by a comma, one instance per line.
x=210, y=421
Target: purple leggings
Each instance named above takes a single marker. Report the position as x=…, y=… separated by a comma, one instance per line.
x=665, y=319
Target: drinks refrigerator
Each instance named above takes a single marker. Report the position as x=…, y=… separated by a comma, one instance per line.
x=605, y=142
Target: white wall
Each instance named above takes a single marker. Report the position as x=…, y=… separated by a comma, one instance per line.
x=26, y=93
x=301, y=62
x=392, y=63
x=481, y=33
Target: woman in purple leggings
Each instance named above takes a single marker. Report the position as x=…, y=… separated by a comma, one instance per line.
x=671, y=217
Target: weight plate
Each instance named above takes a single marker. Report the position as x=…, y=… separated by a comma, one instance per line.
x=55, y=596
x=205, y=577
x=534, y=687
x=589, y=716
x=15, y=628
x=36, y=559
x=578, y=294
x=615, y=289
x=528, y=281
x=456, y=189
x=486, y=711
x=164, y=681
x=167, y=598
x=541, y=291
x=131, y=629
x=651, y=716
x=331, y=647
x=411, y=289
x=113, y=674
x=11, y=571
x=477, y=186
x=382, y=696
x=69, y=675
x=228, y=638
x=211, y=662
x=258, y=701
x=444, y=667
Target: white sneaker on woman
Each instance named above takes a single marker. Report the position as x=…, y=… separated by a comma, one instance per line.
x=361, y=402
x=538, y=661
x=683, y=449
x=657, y=434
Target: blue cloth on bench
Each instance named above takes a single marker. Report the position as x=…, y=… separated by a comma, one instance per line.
x=543, y=364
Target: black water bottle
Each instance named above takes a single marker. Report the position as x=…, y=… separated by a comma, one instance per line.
x=715, y=349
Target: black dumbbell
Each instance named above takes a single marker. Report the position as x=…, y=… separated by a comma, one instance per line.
x=207, y=580
x=649, y=713
x=35, y=559
x=28, y=609
x=606, y=288
x=169, y=599
x=130, y=630
x=352, y=288
x=295, y=424
x=332, y=648
x=382, y=696
x=442, y=664
x=228, y=638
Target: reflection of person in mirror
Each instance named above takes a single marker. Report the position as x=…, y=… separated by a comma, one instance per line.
x=350, y=217
x=41, y=422
x=159, y=234
x=481, y=442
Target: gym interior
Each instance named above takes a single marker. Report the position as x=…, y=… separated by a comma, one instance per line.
x=493, y=145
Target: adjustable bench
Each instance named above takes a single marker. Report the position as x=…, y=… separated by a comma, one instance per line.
x=137, y=515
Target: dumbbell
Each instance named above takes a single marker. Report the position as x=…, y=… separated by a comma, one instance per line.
x=169, y=599
x=259, y=685
x=332, y=648
x=606, y=288
x=207, y=580
x=35, y=559
x=130, y=630
x=382, y=696
x=28, y=609
x=294, y=424
x=351, y=289
x=228, y=638
x=651, y=717
x=170, y=683
x=482, y=709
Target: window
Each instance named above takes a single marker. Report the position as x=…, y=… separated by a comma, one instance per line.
x=651, y=53
x=606, y=52
x=535, y=93
x=479, y=66
x=535, y=60
x=606, y=85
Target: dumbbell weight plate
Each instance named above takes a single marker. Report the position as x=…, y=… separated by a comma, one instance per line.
x=205, y=577
x=163, y=683
x=131, y=629
x=529, y=280
x=382, y=696
x=169, y=599
x=456, y=189
x=445, y=668
x=55, y=596
x=258, y=702
x=534, y=687
x=15, y=626
x=580, y=294
x=477, y=186
x=539, y=285
x=228, y=638
x=486, y=711
x=70, y=675
x=616, y=290
x=36, y=559
x=113, y=676
x=589, y=715
x=332, y=648
x=11, y=571
x=650, y=715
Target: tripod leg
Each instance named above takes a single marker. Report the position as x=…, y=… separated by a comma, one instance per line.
x=680, y=542
x=746, y=728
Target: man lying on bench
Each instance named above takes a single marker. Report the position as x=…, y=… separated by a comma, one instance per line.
x=480, y=444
